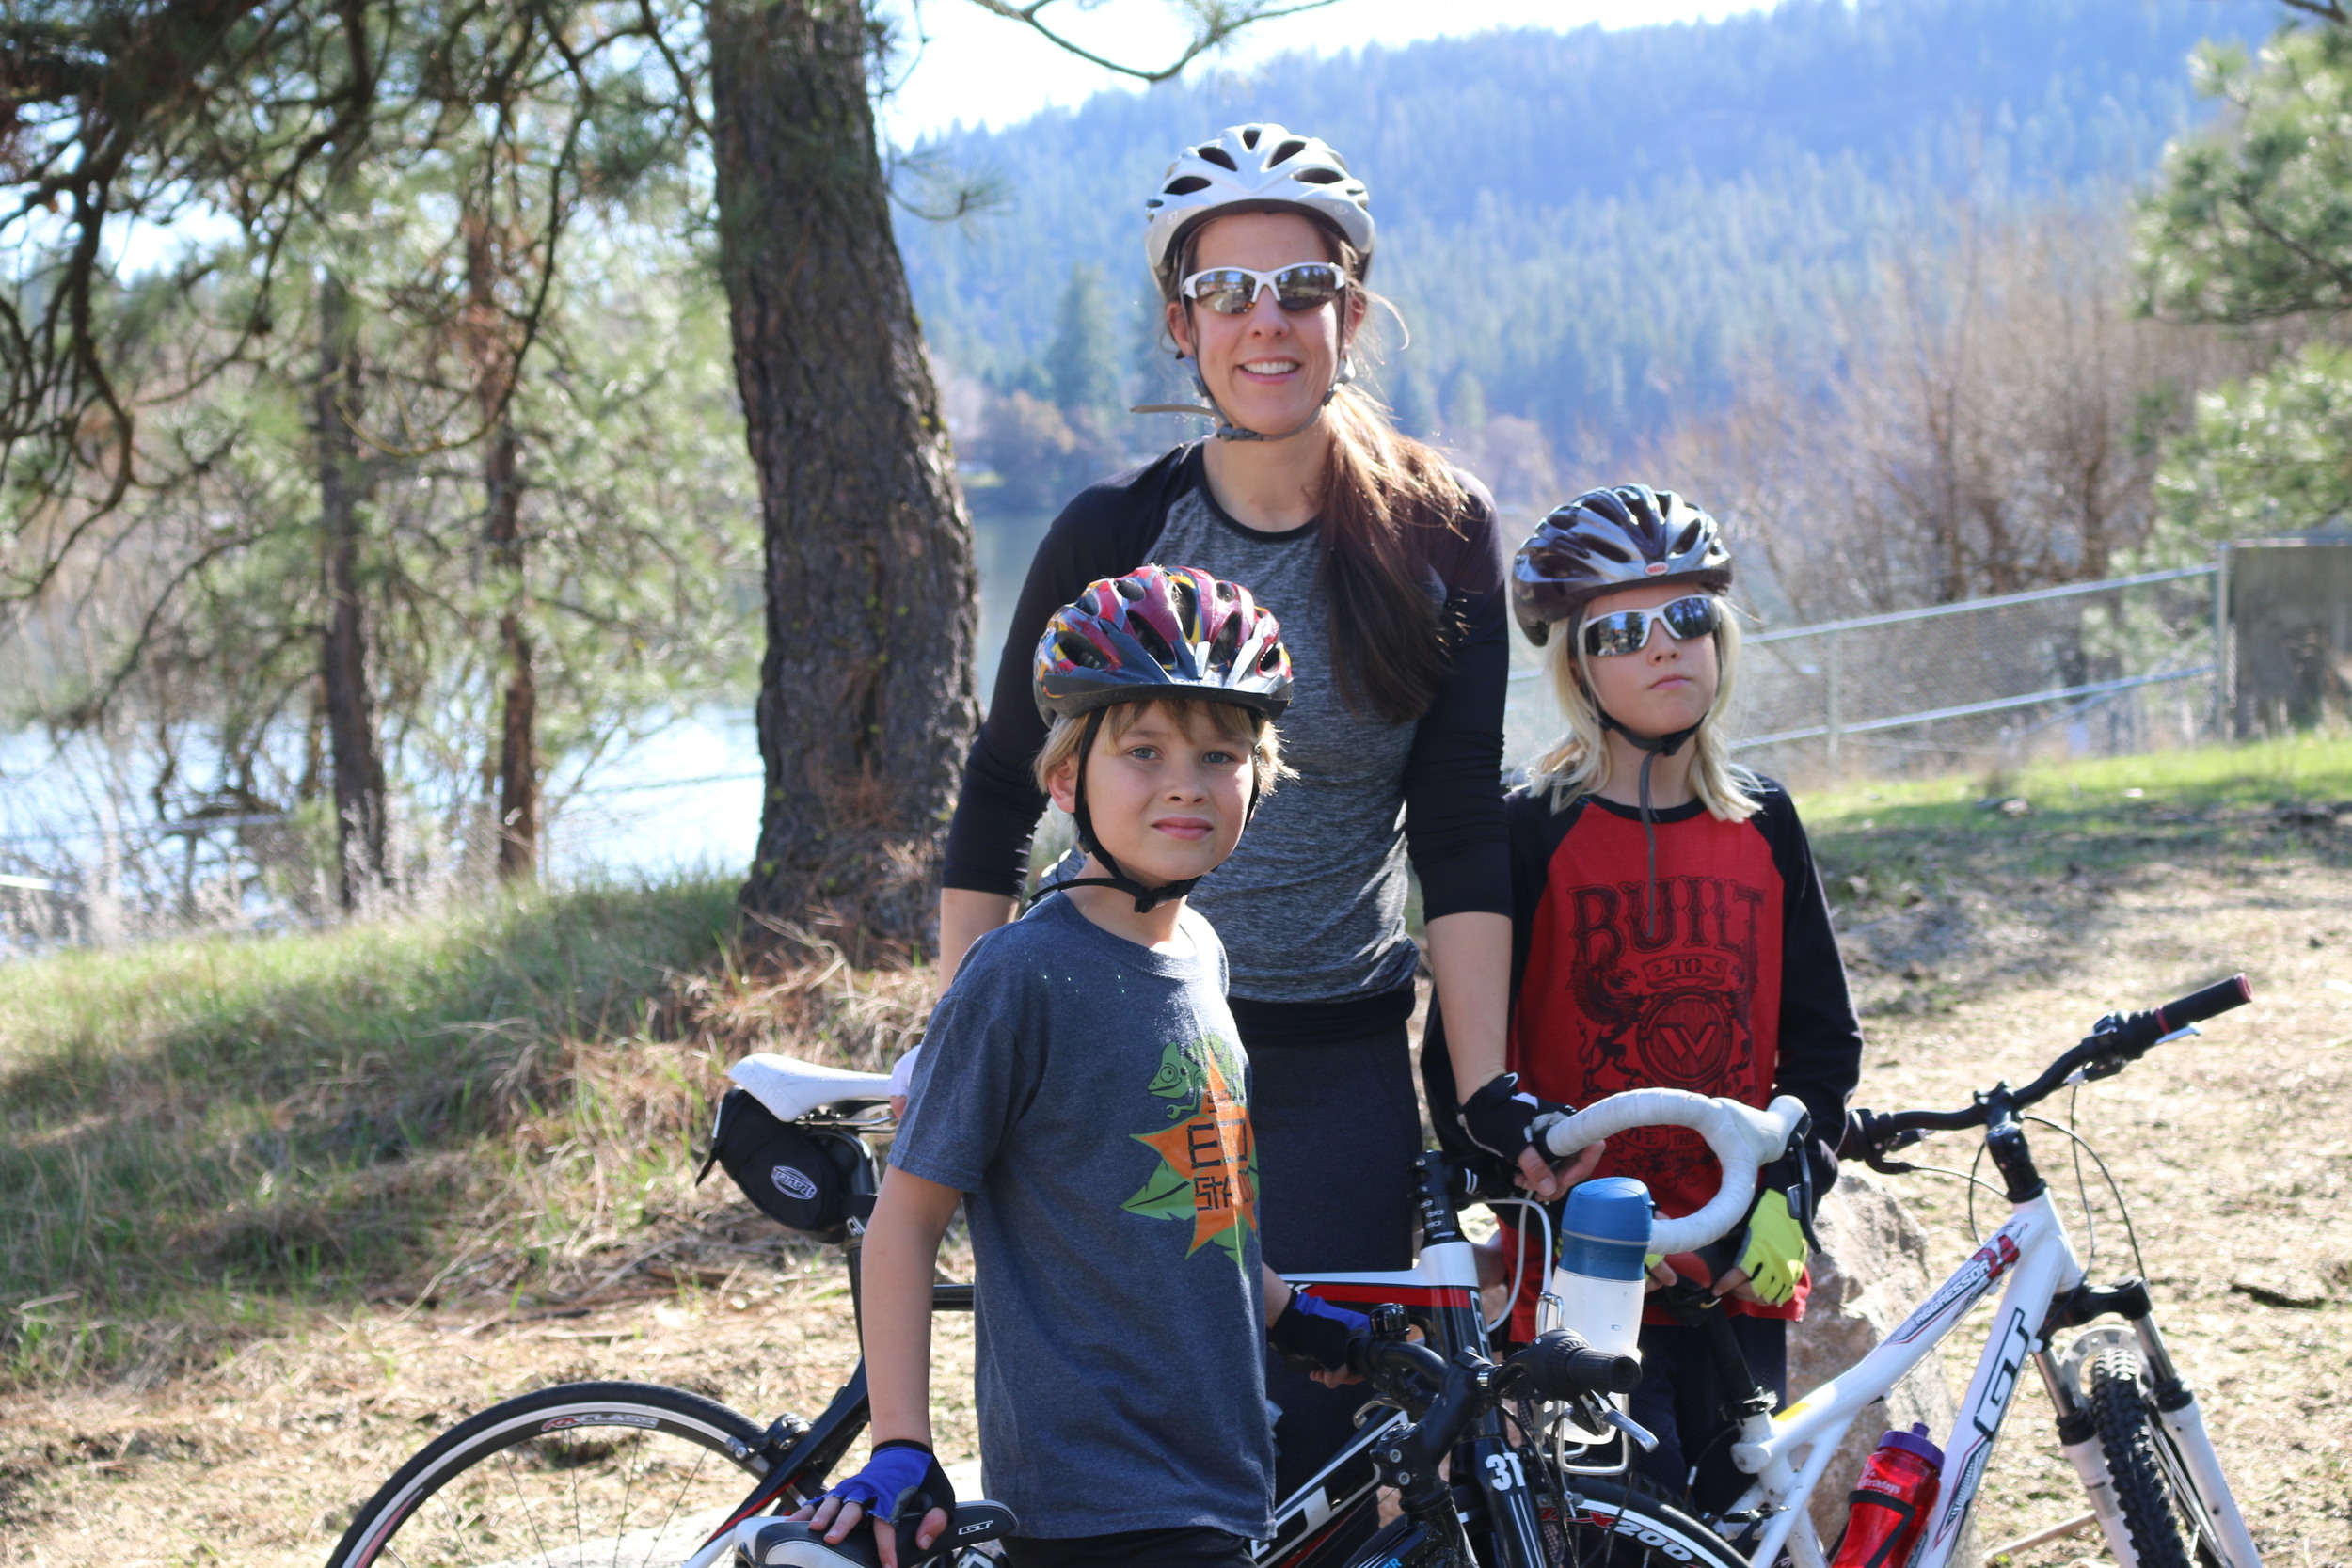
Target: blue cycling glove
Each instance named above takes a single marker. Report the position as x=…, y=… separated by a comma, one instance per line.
x=900, y=1483
x=1314, y=1336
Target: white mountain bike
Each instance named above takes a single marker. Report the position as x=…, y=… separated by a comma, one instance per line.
x=2126, y=1419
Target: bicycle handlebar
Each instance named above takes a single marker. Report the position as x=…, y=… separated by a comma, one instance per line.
x=1561, y=1367
x=1742, y=1137
x=2114, y=1043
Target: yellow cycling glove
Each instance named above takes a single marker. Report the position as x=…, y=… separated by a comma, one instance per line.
x=1773, y=1258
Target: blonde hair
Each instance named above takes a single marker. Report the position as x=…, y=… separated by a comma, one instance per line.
x=1577, y=764
x=1229, y=720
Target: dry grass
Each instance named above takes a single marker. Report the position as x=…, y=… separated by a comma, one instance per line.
x=204, y=1142
x=585, y=1253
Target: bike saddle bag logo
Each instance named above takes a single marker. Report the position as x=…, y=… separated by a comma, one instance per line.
x=814, y=1181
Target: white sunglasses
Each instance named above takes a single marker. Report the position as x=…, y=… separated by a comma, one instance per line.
x=1235, y=291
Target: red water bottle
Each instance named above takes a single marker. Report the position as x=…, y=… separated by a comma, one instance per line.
x=1890, y=1501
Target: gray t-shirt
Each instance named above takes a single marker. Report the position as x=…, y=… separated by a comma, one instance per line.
x=1093, y=1098
x=1312, y=902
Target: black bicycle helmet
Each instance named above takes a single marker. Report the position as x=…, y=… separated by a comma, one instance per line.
x=1608, y=539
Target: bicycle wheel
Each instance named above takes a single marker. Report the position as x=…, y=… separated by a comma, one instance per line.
x=2152, y=1489
x=1611, y=1525
x=580, y=1473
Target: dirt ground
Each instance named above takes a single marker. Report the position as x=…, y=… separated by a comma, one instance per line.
x=2236, y=1151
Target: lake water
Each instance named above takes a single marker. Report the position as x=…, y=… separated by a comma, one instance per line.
x=683, y=801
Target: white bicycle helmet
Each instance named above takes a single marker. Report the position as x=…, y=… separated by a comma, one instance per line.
x=1255, y=168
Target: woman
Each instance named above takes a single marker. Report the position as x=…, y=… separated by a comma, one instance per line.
x=1386, y=567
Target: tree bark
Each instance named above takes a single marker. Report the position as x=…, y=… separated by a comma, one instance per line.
x=502, y=494
x=866, y=697
x=519, y=751
x=352, y=745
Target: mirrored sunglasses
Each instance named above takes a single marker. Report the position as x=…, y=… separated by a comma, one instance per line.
x=1233, y=291
x=1626, y=631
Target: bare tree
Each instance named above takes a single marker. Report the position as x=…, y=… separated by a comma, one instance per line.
x=1993, y=423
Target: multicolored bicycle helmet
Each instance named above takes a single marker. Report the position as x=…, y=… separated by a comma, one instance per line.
x=1160, y=630
x=1257, y=167
x=1157, y=632
x=1608, y=539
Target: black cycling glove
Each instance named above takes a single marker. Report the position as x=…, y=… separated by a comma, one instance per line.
x=1503, y=1121
x=1314, y=1336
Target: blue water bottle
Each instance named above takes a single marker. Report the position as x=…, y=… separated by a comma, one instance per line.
x=1604, y=1237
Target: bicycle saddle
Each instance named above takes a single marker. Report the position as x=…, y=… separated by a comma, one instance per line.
x=791, y=1088
x=784, y=1544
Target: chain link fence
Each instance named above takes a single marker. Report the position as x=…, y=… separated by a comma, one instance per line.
x=2096, y=669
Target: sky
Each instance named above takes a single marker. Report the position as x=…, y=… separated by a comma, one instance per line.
x=981, y=68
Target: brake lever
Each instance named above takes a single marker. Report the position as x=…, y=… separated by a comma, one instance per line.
x=1630, y=1426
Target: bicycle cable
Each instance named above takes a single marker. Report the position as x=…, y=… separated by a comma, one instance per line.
x=1519, y=1254
x=2082, y=1189
x=2115, y=1190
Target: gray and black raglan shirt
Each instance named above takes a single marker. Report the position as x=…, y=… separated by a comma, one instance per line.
x=1091, y=1096
x=1312, y=905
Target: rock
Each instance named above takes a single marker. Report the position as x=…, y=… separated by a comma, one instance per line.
x=1873, y=1268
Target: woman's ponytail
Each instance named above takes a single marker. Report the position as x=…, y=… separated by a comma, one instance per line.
x=1383, y=494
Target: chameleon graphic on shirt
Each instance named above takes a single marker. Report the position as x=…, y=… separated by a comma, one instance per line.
x=1208, y=1171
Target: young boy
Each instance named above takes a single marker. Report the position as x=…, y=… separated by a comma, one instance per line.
x=1082, y=1084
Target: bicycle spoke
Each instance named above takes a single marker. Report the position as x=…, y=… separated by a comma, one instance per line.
x=507, y=1458
x=667, y=1519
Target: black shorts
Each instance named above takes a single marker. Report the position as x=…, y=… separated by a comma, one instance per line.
x=1134, y=1549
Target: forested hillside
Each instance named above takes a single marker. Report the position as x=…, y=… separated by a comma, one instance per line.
x=1592, y=231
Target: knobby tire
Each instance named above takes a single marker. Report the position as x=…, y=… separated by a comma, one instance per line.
x=2135, y=1447
x=629, y=1473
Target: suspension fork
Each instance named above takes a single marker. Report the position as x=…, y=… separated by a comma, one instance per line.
x=2176, y=1408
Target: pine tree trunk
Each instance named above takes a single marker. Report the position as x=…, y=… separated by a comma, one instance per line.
x=503, y=497
x=354, y=752
x=866, y=699
x=519, y=752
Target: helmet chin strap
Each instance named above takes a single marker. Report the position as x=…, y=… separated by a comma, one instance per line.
x=1653, y=747
x=1147, y=899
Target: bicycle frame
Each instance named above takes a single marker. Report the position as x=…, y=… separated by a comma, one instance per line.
x=1788, y=1452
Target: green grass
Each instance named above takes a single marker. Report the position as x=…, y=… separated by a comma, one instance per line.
x=2243, y=804
x=204, y=1133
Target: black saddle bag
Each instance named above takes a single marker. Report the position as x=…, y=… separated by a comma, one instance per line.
x=811, y=1179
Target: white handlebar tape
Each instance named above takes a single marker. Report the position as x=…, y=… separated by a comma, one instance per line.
x=1741, y=1137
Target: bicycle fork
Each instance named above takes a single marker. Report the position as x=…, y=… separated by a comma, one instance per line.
x=2175, y=1407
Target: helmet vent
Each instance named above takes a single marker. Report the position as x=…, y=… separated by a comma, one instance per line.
x=1225, y=644
x=1249, y=140
x=1270, y=659
x=1127, y=588
x=1187, y=599
x=1611, y=548
x=1153, y=643
x=1185, y=186
x=1686, y=538
x=1318, y=177
x=1218, y=155
x=1288, y=151
x=1078, y=650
